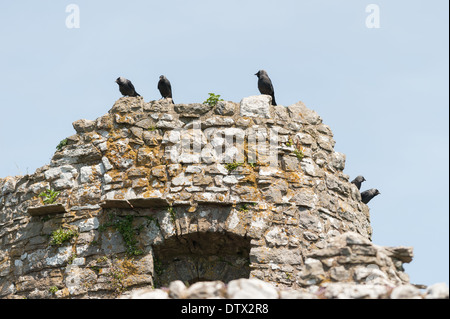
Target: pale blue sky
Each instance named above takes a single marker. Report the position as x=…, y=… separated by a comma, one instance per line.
x=383, y=92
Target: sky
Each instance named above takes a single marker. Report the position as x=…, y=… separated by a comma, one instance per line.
x=383, y=90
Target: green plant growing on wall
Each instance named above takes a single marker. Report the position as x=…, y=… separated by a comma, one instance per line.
x=49, y=196
x=243, y=208
x=289, y=143
x=119, y=272
x=253, y=165
x=232, y=166
x=72, y=258
x=61, y=235
x=53, y=290
x=298, y=150
x=213, y=99
x=61, y=144
x=101, y=259
x=299, y=154
x=153, y=220
x=158, y=267
x=125, y=227
x=173, y=214
x=95, y=269
x=117, y=276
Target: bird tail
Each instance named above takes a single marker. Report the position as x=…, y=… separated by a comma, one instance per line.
x=273, y=100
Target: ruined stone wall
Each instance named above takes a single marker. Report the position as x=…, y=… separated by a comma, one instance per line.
x=154, y=192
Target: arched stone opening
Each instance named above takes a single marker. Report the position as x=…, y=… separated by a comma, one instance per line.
x=204, y=256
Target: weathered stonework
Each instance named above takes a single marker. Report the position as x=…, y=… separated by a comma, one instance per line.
x=148, y=191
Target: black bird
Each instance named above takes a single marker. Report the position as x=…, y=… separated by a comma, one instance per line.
x=126, y=87
x=358, y=181
x=367, y=196
x=265, y=85
x=165, y=88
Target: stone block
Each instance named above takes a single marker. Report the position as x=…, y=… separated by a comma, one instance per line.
x=46, y=210
x=256, y=106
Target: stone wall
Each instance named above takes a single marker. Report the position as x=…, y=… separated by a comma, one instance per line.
x=258, y=289
x=151, y=193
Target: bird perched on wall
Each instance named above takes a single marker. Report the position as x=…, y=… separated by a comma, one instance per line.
x=165, y=88
x=265, y=85
x=126, y=87
x=367, y=196
x=358, y=181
